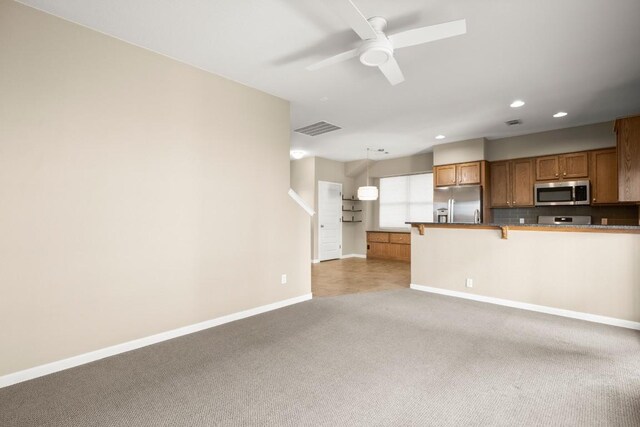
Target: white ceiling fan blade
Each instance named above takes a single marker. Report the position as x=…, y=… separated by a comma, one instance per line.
x=356, y=20
x=428, y=34
x=344, y=56
x=392, y=71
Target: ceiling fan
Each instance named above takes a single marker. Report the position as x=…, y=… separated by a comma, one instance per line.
x=376, y=49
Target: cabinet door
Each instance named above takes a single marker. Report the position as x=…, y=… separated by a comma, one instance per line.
x=575, y=165
x=628, y=131
x=500, y=187
x=604, y=176
x=468, y=173
x=445, y=175
x=522, y=182
x=378, y=250
x=547, y=168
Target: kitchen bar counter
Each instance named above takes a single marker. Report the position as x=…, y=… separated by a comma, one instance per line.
x=593, y=228
x=585, y=271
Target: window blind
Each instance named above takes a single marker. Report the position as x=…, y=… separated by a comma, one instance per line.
x=406, y=198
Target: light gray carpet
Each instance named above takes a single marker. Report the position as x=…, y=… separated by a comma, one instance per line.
x=386, y=358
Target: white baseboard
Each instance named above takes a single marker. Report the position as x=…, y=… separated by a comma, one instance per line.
x=92, y=356
x=533, y=307
x=317, y=261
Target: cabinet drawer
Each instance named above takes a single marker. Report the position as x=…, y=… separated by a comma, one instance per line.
x=401, y=238
x=378, y=237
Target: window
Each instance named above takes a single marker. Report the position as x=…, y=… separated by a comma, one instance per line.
x=406, y=198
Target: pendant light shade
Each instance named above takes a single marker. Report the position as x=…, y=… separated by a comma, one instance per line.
x=368, y=192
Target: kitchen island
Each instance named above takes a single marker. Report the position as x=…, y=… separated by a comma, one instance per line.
x=590, y=272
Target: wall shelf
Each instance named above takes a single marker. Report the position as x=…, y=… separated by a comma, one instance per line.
x=351, y=205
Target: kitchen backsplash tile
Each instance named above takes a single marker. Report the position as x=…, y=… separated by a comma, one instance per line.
x=530, y=215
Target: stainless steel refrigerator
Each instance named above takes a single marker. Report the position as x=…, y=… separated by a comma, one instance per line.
x=462, y=204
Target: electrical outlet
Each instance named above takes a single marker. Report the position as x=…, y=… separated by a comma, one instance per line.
x=469, y=283
x=521, y=220
x=283, y=279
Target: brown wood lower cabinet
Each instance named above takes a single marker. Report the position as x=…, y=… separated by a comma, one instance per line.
x=389, y=245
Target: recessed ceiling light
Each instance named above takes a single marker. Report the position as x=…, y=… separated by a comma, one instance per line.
x=517, y=103
x=297, y=154
x=559, y=114
x=440, y=137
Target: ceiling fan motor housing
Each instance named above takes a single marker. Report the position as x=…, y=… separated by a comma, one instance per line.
x=375, y=52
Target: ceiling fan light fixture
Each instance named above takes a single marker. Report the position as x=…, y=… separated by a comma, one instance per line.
x=374, y=53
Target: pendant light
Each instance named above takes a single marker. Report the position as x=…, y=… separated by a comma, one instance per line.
x=368, y=192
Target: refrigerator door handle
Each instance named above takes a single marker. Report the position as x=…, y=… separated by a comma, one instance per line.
x=452, y=211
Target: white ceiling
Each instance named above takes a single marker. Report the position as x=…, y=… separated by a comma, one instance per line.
x=579, y=56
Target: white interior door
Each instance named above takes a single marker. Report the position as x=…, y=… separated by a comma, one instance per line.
x=329, y=220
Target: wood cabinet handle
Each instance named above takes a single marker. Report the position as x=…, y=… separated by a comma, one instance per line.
x=564, y=174
x=594, y=199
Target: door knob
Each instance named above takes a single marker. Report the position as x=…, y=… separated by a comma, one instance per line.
x=321, y=226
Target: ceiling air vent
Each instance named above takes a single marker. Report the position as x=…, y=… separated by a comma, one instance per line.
x=317, y=129
x=513, y=122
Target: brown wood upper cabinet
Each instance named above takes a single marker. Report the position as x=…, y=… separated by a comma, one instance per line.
x=564, y=166
x=445, y=175
x=458, y=174
x=512, y=183
x=628, y=137
x=604, y=176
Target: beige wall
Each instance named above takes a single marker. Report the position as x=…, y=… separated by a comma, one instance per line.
x=590, y=137
x=459, y=152
x=133, y=193
x=402, y=166
x=303, y=172
x=593, y=273
x=302, y=181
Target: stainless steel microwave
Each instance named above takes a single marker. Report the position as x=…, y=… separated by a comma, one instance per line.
x=562, y=193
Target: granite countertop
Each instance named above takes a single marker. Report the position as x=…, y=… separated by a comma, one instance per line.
x=559, y=227
x=589, y=226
